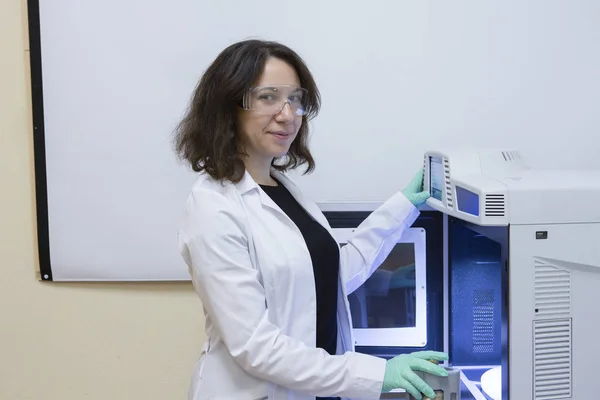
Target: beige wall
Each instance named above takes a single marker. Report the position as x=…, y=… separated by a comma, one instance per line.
x=74, y=341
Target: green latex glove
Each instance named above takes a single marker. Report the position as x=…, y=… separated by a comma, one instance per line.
x=414, y=191
x=399, y=372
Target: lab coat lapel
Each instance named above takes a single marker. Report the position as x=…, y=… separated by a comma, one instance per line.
x=248, y=185
x=345, y=337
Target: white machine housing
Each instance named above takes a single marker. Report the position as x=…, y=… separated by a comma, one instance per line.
x=553, y=220
x=507, y=191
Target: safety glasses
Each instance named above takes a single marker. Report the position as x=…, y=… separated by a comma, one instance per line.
x=270, y=100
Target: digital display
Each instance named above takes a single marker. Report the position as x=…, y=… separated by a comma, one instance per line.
x=436, y=177
x=468, y=202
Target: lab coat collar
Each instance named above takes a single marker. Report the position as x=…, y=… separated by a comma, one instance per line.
x=248, y=184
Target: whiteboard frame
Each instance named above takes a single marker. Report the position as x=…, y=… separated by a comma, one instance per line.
x=44, y=269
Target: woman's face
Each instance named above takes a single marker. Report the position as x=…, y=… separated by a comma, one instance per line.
x=269, y=127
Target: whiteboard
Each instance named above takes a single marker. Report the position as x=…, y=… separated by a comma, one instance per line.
x=397, y=78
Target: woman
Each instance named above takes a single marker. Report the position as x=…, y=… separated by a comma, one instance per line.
x=272, y=280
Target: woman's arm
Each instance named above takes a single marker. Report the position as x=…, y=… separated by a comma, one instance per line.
x=374, y=239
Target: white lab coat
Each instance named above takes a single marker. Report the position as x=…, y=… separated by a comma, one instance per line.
x=253, y=273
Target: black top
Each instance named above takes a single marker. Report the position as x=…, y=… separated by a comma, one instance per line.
x=324, y=253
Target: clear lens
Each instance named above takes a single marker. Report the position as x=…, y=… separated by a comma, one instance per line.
x=271, y=99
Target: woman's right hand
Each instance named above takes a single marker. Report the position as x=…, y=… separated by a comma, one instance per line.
x=399, y=372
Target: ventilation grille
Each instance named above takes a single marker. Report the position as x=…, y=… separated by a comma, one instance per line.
x=449, y=198
x=552, y=288
x=483, y=321
x=552, y=359
x=494, y=205
x=511, y=155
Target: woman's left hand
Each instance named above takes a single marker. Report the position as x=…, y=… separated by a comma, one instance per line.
x=414, y=191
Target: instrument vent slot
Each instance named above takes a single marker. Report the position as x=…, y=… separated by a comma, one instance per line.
x=552, y=359
x=483, y=321
x=494, y=205
x=552, y=291
x=449, y=197
x=511, y=156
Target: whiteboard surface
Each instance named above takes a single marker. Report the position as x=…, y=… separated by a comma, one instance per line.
x=397, y=79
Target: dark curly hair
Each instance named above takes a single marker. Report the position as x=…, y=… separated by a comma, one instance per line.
x=207, y=136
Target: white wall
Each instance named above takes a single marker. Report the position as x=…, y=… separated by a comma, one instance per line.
x=398, y=78
x=74, y=341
